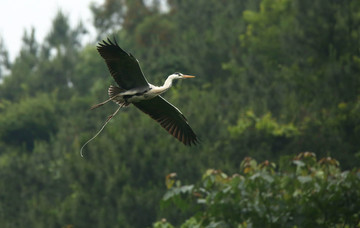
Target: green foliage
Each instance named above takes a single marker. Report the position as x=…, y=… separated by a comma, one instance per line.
x=162, y=224
x=265, y=124
x=30, y=120
x=301, y=192
x=4, y=58
x=22, y=70
x=274, y=78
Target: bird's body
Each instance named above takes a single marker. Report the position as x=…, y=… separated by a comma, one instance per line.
x=133, y=88
x=127, y=97
x=121, y=96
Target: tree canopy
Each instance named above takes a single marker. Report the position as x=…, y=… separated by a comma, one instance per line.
x=275, y=78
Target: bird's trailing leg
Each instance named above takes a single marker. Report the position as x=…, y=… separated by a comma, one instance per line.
x=115, y=93
x=102, y=103
x=102, y=128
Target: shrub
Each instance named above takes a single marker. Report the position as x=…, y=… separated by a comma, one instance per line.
x=300, y=192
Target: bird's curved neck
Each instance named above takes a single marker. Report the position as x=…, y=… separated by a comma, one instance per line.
x=168, y=83
x=165, y=87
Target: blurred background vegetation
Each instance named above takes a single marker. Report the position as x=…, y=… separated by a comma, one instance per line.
x=274, y=78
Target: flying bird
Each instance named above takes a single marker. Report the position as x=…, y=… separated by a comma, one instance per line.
x=133, y=88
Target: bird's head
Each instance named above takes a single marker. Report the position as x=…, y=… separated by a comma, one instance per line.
x=178, y=75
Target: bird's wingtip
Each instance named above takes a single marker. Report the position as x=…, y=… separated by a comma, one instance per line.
x=116, y=43
x=108, y=43
x=191, y=141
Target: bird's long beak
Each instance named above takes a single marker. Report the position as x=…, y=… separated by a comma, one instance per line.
x=188, y=76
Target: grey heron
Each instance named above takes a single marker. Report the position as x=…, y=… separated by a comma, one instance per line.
x=133, y=88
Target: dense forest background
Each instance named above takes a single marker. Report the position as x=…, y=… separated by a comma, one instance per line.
x=274, y=78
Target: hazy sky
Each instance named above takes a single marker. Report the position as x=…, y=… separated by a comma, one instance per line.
x=18, y=15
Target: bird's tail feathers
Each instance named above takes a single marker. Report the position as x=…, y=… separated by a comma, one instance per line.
x=113, y=91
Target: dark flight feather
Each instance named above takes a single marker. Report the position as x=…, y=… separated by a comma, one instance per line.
x=169, y=118
x=123, y=67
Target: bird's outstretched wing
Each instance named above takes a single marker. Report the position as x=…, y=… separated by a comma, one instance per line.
x=123, y=67
x=169, y=118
